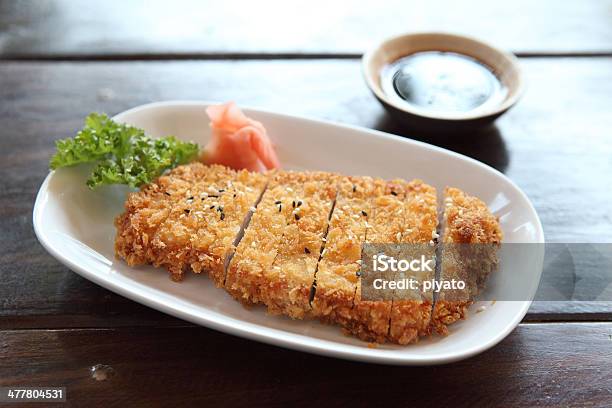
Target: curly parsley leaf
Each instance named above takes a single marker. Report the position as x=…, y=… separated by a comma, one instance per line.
x=123, y=154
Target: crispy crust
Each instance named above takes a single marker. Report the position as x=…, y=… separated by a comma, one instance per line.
x=282, y=260
x=187, y=232
x=337, y=271
x=411, y=318
x=386, y=224
x=466, y=220
x=147, y=209
x=275, y=262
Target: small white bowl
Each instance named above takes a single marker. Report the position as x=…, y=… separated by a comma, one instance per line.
x=502, y=64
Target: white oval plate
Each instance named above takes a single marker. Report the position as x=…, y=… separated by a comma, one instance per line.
x=76, y=226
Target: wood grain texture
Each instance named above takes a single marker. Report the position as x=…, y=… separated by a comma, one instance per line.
x=554, y=145
x=537, y=365
x=64, y=29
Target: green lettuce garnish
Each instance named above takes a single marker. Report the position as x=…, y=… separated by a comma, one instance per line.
x=122, y=154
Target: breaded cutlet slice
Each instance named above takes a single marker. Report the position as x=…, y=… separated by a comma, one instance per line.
x=258, y=248
x=276, y=259
x=293, y=272
x=370, y=319
x=466, y=220
x=203, y=220
x=202, y=229
x=148, y=208
x=336, y=277
x=410, y=319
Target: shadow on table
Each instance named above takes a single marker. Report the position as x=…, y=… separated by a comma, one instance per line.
x=485, y=145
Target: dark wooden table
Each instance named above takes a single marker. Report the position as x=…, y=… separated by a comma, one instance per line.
x=61, y=60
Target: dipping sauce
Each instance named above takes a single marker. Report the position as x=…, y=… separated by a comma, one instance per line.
x=442, y=83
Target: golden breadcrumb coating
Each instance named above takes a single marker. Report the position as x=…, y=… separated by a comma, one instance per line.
x=466, y=220
x=386, y=224
x=276, y=260
x=410, y=318
x=207, y=208
x=147, y=209
x=336, y=278
x=292, y=241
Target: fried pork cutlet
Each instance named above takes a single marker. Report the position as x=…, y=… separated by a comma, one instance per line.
x=147, y=209
x=292, y=241
x=470, y=237
x=398, y=212
x=276, y=260
x=386, y=225
x=337, y=273
x=410, y=316
x=197, y=218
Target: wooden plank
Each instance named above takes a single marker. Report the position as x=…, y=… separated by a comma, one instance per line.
x=554, y=145
x=536, y=365
x=62, y=29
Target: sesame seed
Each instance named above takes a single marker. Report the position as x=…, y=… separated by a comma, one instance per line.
x=358, y=273
x=289, y=189
x=354, y=188
x=278, y=202
x=398, y=236
x=393, y=193
x=359, y=262
x=434, y=234
x=306, y=250
x=293, y=203
x=187, y=211
x=297, y=217
x=221, y=190
x=212, y=206
x=299, y=203
x=432, y=243
x=253, y=209
x=213, y=196
x=222, y=216
x=280, y=207
x=365, y=214
x=167, y=193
